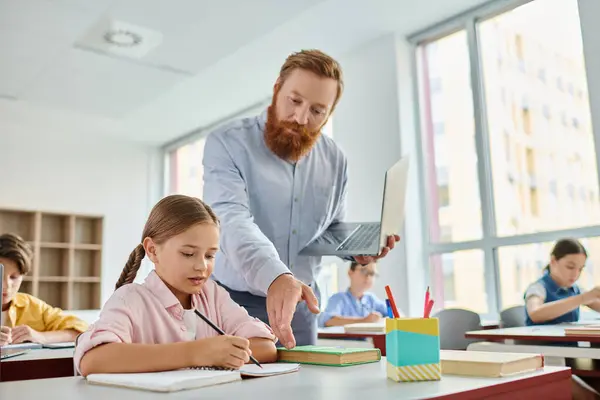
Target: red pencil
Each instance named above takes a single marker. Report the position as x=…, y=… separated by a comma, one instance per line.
x=429, y=308
x=426, y=302
x=392, y=302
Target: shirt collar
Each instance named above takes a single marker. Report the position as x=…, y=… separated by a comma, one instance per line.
x=18, y=301
x=362, y=300
x=553, y=287
x=262, y=119
x=159, y=289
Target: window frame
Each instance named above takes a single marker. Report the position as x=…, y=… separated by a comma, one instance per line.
x=203, y=132
x=490, y=242
x=198, y=134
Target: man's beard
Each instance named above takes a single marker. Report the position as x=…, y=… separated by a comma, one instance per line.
x=290, y=146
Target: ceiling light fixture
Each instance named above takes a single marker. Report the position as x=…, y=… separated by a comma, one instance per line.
x=123, y=38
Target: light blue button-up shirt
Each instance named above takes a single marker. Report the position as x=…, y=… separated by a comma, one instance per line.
x=344, y=304
x=269, y=208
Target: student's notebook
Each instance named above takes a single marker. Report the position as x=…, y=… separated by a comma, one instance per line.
x=488, y=364
x=185, y=379
x=26, y=345
x=59, y=345
x=332, y=356
x=375, y=327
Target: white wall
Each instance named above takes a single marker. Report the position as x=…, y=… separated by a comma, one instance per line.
x=50, y=171
x=367, y=126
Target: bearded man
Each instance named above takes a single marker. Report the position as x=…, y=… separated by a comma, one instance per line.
x=276, y=183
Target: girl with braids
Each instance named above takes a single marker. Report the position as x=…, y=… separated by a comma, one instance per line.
x=152, y=326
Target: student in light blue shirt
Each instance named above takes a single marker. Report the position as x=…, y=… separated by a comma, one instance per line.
x=355, y=304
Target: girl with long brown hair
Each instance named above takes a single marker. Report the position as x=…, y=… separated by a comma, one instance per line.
x=152, y=326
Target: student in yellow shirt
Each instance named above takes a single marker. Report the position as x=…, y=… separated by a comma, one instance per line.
x=26, y=318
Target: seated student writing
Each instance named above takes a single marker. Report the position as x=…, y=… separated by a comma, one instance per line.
x=26, y=318
x=355, y=304
x=152, y=326
x=555, y=298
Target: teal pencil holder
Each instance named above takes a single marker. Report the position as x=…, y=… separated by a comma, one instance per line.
x=413, y=349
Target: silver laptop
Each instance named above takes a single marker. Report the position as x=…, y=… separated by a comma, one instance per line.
x=367, y=238
x=8, y=353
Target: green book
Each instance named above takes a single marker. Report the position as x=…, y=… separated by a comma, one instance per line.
x=331, y=356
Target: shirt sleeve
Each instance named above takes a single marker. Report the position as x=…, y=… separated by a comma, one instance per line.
x=380, y=306
x=114, y=325
x=340, y=213
x=536, y=289
x=242, y=241
x=334, y=308
x=237, y=321
x=55, y=320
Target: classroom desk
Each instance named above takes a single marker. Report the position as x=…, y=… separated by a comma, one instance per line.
x=314, y=382
x=488, y=324
x=540, y=333
x=38, y=364
x=337, y=332
x=378, y=338
x=543, y=339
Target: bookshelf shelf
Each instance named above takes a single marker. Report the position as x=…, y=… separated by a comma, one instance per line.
x=67, y=263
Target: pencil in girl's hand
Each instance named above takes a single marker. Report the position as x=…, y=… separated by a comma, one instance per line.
x=216, y=328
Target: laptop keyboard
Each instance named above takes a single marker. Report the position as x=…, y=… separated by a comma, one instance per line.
x=362, y=238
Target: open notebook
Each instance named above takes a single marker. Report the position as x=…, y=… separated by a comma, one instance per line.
x=33, y=346
x=184, y=379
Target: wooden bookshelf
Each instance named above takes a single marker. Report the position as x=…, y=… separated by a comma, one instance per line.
x=67, y=262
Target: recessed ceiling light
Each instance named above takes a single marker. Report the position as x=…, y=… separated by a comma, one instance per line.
x=120, y=38
x=123, y=38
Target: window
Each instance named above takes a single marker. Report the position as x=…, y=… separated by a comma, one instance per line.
x=546, y=111
x=451, y=107
x=444, y=195
x=516, y=172
x=183, y=161
x=526, y=117
x=529, y=260
x=542, y=74
x=461, y=280
x=185, y=169
x=327, y=279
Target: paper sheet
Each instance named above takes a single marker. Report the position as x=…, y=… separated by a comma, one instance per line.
x=269, y=369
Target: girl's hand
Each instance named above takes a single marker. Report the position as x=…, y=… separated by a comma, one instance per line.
x=5, y=335
x=24, y=333
x=221, y=351
x=591, y=296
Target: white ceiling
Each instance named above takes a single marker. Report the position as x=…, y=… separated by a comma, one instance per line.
x=210, y=62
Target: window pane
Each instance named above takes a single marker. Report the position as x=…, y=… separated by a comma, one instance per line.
x=543, y=157
x=458, y=280
x=449, y=141
x=522, y=265
x=185, y=169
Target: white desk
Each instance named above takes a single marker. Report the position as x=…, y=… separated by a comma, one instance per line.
x=315, y=382
x=42, y=354
x=38, y=364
